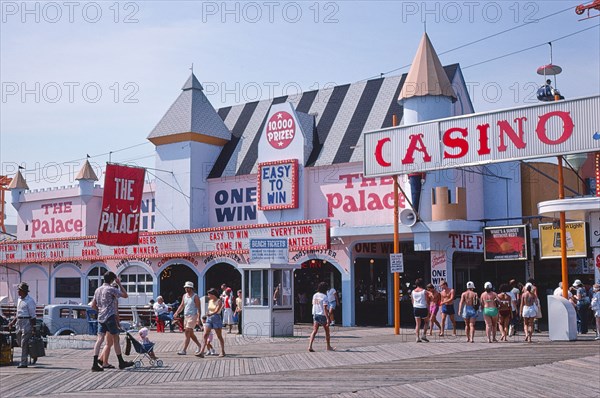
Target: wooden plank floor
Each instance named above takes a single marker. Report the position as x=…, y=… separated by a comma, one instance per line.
x=368, y=362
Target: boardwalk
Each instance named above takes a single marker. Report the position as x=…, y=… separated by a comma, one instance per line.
x=368, y=362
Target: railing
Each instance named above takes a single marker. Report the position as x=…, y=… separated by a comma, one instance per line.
x=146, y=314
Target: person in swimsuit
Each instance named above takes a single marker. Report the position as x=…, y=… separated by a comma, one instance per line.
x=504, y=310
x=434, y=306
x=465, y=308
x=489, y=300
x=447, y=301
x=420, y=301
x=528, y=310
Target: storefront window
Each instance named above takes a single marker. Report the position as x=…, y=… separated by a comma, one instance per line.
x=282, y=295
x=68, y=287
x=136, y=280
x=256, y=287
x=94, y=281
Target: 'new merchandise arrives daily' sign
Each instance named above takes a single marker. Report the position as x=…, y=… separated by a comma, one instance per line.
x=120, y=217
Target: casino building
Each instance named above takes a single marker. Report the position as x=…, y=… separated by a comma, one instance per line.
x=288, y=167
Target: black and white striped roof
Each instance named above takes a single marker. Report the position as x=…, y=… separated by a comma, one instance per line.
x=342, y=114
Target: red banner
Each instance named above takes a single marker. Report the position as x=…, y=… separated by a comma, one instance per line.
x=120, y=217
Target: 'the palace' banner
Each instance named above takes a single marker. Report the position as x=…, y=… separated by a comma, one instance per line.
x=120, y=216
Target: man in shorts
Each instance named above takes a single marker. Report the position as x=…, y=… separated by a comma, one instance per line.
x=104, y=302
x=447, y=302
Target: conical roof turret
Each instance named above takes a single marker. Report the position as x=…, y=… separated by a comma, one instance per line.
x=191, y=118
x=426, y=75
x=18, y=182
x=86, y=172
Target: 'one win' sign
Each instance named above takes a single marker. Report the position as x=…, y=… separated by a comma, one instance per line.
x=278, y=185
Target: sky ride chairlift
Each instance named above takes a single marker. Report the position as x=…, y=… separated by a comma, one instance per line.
x=546, y=92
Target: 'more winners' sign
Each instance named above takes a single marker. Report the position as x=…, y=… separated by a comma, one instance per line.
x=551, y=129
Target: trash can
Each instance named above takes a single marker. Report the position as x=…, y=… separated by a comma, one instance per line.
x=92, y=317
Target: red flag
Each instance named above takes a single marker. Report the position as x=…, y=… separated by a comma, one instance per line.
x=120, y=217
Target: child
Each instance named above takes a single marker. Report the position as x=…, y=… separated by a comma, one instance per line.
x=209, y=346
x=148, y=345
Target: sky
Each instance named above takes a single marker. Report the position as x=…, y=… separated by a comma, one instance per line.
x=94, y=78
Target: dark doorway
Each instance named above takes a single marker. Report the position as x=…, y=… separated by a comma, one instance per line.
x=172, y=280
x=306, y=281
x=223, y=273
x=371, y=276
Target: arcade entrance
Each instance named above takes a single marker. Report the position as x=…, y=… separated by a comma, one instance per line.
x=371, y=300
x=172, y=279
x=306, y=280
x=223, y=273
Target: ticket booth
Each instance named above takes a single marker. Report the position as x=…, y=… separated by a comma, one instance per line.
x=268, y=294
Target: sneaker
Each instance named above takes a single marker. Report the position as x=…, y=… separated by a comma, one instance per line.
x=332, y=324
x=197, y=351
x=97, y=368
x=212, y=352
x=125, y=364
x=425, y=339
x=23, y=366
x=597, y=338
x=182, y=352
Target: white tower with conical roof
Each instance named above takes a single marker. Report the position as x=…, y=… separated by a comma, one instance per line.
x=86, y=179
x=427, y=93
x=188, y=140
x=17, y=186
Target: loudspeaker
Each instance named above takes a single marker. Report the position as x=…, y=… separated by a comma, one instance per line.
x=408, y=217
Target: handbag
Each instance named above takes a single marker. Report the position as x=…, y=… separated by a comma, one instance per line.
x=36, y=347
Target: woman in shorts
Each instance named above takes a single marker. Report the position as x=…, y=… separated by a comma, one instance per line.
x=321, y=316
x=213, y=322
x=528, y=310
x=489, y=300
x=420, y=301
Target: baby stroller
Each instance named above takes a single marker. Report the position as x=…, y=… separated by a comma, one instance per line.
x=143, y=353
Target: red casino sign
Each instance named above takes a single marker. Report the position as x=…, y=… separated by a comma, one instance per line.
x=281, y=130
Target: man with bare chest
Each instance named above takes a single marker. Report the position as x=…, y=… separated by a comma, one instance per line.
x=447, y=301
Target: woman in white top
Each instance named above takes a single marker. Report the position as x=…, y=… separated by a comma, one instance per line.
x=320, y=310
x=420, y=302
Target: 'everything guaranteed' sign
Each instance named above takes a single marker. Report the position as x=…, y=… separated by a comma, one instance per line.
x=551, y=129
x=120, y=216
x=278, y=185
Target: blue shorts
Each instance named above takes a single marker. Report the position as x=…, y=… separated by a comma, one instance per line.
x=448, y=309
x=332, y=305
x=320, y=319
x=110, y=326
x=469, y=312
x=214, y=322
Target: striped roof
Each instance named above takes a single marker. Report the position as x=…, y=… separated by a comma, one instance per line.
x=342, y=114
x=192, y=113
